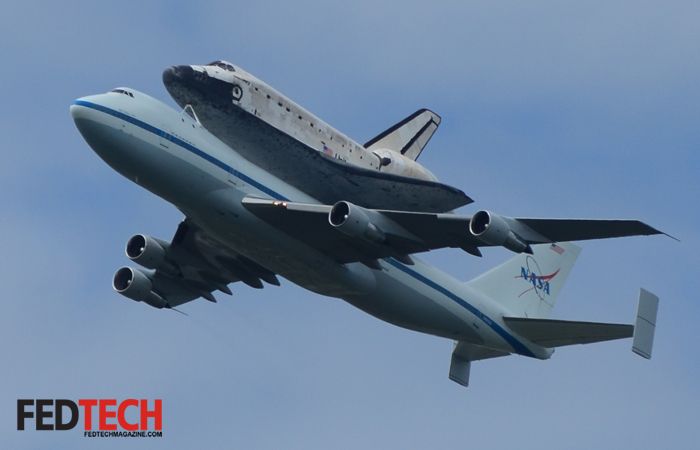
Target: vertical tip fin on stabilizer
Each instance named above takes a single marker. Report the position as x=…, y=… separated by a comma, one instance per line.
x=645, y=325
x=459, y=370
x=463, y=353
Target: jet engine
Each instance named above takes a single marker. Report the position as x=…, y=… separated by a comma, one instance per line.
x=353, y=221
x=150, y=253
x=495, y=230
x=134, y=284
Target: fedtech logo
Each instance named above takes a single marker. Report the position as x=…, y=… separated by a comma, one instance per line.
x=532, y=274
x=100, y=414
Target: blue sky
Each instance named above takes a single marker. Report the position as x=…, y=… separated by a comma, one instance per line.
x=550, y=109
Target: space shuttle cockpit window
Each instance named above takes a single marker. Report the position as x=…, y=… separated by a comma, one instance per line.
x=222, y=64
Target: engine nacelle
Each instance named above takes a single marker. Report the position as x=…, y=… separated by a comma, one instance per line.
x=150, y=253
x=353, y=221
x=134, y=284
x=494, y=230
x=145, y=251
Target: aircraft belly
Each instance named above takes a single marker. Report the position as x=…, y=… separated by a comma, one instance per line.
x=423, y=299
x=255, y=139
x=269, y=148
x=399, y=301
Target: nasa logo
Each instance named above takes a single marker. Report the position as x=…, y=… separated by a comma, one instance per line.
x=540, y=283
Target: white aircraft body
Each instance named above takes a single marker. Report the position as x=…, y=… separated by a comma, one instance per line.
x=268, y=189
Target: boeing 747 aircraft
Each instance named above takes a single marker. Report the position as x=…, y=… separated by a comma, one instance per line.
x=268, y=189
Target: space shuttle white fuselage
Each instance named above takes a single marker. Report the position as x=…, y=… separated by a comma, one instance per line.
x=222, y=95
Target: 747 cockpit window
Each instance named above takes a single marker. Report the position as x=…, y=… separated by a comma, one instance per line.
x=122, y=91
x=223, y=64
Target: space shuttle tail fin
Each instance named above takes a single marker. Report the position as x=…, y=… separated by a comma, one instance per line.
x=528, y=285
x=409, y=136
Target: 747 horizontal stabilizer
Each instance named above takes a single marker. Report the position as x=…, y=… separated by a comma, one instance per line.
x=558, y=333
x=552, y=333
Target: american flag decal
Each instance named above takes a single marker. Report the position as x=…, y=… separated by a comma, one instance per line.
x=327, y=151
x=557, y=249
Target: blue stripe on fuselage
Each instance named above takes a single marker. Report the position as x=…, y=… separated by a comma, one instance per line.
x=187, y=146
x=512, y=341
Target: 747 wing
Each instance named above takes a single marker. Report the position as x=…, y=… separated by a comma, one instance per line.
x=193, y=265
x=350, y=233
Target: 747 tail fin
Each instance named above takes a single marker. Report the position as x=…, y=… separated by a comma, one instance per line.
x=528, y=285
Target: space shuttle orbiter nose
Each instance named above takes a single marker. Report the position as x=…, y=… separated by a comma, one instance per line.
x=177, y=74
x=182, y=83
x=195, y=85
